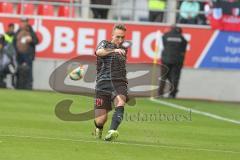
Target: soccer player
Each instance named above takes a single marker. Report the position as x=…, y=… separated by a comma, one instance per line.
x=111, y=82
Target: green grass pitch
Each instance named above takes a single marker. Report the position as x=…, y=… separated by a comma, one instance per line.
x=29, y=130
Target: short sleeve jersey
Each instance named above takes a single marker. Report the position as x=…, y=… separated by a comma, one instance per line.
x=111, y=66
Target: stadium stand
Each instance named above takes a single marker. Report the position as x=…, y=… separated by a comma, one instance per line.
x=26, y=9
x=65, y=11
x=133, y=10
x=6, y=7
x=67, y=1
x=45, y=10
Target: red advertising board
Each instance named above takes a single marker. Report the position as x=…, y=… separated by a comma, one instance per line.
x=65, y=39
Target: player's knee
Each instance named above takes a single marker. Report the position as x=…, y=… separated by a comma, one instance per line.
x=121, y=103
x=120, y=100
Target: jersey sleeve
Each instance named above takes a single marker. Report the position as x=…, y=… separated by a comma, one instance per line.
x=101, y=45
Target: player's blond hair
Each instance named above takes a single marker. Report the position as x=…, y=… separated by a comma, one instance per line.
x=120, y=26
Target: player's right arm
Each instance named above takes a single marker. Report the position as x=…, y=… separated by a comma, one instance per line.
x=103, y=50
x=106, y=51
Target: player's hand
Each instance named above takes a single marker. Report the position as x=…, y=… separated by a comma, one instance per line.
x=120, y=51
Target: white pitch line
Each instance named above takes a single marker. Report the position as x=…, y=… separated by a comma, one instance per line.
x=214, y=116
x=124, y=143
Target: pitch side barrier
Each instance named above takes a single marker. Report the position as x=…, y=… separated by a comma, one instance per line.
x=63, y=38
x=212, y=56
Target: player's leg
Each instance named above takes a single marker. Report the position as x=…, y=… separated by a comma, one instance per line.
x=99, y=121
x=102, y=106
x=119, y=102
x=121, y=97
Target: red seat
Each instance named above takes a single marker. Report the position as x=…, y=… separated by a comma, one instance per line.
x=66, y=1
x=45, y=10
x=27, y=9
x=65, y=11
x=6, y=7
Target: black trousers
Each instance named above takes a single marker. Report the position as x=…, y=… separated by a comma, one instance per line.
x=25, y=72
x=3, y=74
x=100, y=13
x=170, y=72
x=188, y=21
x=2, y=78
x=156, y=16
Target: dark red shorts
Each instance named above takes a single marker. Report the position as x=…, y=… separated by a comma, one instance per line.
x=106, y=91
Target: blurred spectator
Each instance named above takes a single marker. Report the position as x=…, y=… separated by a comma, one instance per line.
x=25, y=41
x=9, y=35
x=100, y=13
x=156, y=10
x=189, y=11
x=174, y=48
x=6, y=62
x=208, y=6
x=201, y=17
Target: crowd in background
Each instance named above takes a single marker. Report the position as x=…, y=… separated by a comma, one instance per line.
x=186, y=11
x=17, y=53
